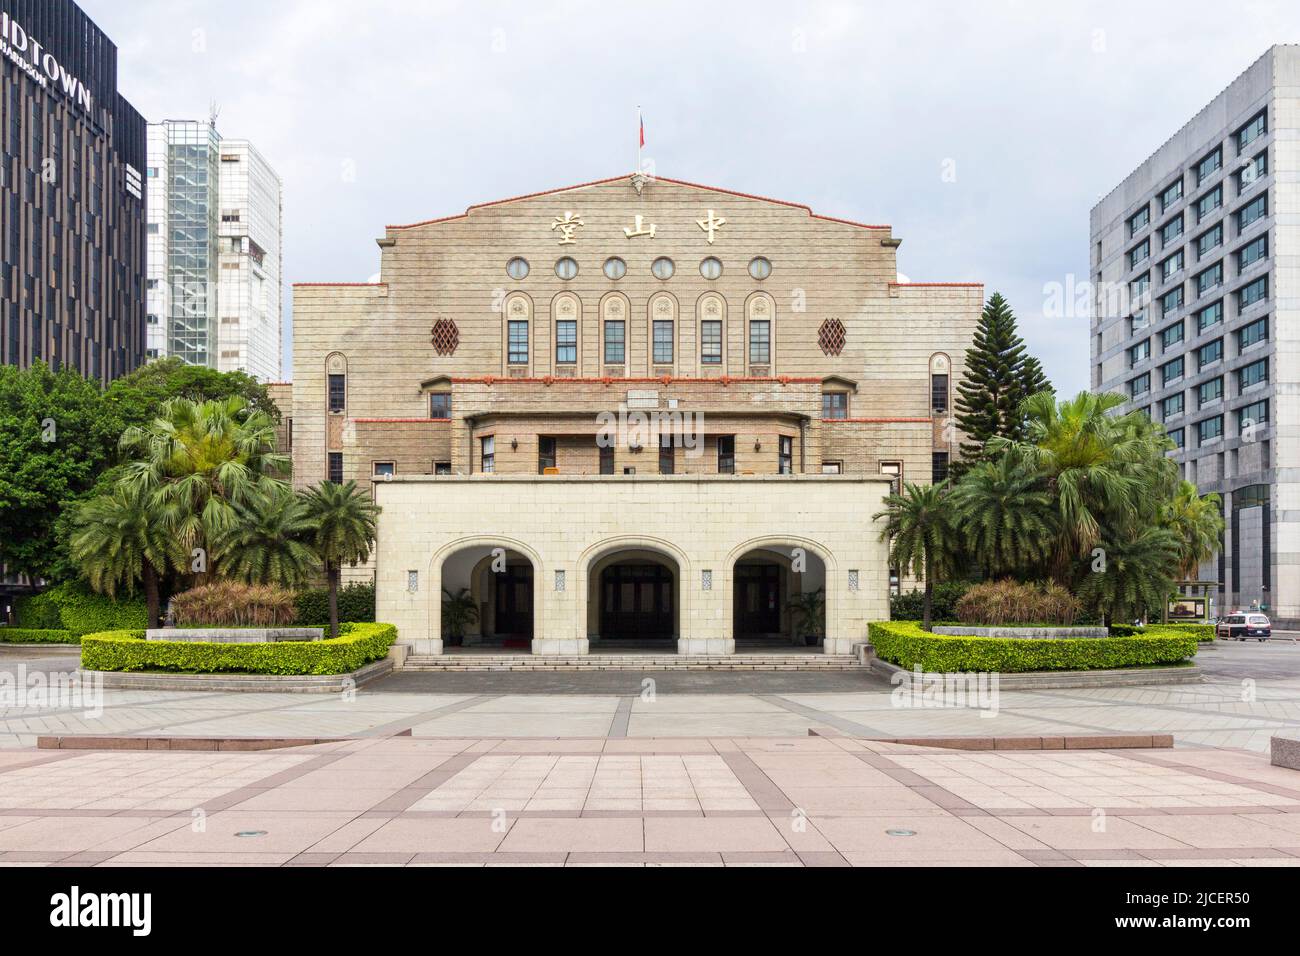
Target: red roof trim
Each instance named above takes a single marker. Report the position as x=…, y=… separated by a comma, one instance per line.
x=938, y=285
x=372, y=421
x=613, y=179
x=660, y=380
x=340, y=285
x=876, y=421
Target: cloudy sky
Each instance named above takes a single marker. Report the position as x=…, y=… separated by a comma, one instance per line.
x=379, y=111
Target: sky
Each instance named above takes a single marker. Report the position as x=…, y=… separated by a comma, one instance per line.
x=983, y=132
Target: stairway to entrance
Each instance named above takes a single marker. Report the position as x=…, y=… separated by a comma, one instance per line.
x=788, y=661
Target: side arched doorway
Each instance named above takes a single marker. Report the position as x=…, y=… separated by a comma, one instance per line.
x=634, y=601
x=500, y=587
x=778, y=597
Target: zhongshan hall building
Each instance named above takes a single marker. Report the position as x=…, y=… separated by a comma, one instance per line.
x=631, y=413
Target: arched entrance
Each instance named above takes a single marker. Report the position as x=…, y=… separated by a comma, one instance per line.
x=488, y=597
x=634, y=601
x=778, y=597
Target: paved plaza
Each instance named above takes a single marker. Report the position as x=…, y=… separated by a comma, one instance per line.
x=731, y=769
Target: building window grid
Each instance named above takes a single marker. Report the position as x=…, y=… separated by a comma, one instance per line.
x=1253, y=374
x=566, y=342
x=663, y=341
x=518, y=342
x=615, y=342
x=760, y=342
x=711, y=342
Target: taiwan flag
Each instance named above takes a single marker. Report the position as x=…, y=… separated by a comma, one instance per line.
x=642, y=121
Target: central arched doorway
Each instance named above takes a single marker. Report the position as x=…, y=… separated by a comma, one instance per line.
x=634, y=601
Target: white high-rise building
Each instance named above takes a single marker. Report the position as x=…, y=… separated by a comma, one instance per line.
x=214, y=232
x=1197, y=323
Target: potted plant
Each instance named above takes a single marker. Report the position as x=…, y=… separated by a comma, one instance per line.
x=458, y=612
x=809, y=610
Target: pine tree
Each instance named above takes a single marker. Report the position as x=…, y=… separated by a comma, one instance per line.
x=999, y=376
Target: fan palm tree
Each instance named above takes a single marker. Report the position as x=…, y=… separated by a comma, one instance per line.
x=919, y=523
x=1006, y=515
x=1097, y=466
x=1136, y=577
x=267, y=542
x=343, y=524
x=200, y=461
x=119, y=539
x=1197, y=522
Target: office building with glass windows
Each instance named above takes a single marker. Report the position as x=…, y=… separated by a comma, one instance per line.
x=635, y=410
x=72, y=204
x=1193, y=263
x=214, y=239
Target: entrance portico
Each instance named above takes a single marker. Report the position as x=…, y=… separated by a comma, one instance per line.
x=689, y=561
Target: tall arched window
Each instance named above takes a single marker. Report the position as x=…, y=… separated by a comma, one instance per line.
x=566, y=310
x=517, y=332
x=760, y=334
x=613, y=332
x=663, y=331
x=940, y=384
x=712, y=333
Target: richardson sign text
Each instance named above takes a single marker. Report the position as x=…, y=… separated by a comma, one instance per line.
x=44, y=68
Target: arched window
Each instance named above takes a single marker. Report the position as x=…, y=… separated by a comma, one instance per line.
x=567, y=311
x=940, y=384
x=336, y=377
x=518, y=318
x=712, y=322
x=760, y=334
x=663, y=330
x=614, y=314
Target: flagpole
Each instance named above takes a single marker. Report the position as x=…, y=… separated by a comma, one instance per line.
x=638, y=139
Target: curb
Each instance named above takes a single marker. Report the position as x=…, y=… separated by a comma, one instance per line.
x=1042, y=680
x=258, y=683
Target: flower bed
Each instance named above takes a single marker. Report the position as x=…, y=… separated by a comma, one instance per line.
x=905, y=644
x=357, y=645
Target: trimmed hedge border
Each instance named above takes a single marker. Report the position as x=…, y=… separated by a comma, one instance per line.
x=1202, y=632
x=357, y=646
x=905, y=644
x=27, y=635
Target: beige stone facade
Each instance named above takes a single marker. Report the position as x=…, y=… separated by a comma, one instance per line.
x=628, y=328
x=568, y=531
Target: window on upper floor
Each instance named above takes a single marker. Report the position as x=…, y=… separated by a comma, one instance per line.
x=835, y=405
x=547, y=457
x=488, y=454
x=1139, y=220
x=726, y=454
x=566, y=342
x=1252, y=172
x=1208, y=392
x=615, y=343
x=337, y=392
x=1171, y=266
x=711, y=342
x=1208, y=354
x=1171, y=300
x=1255, y=373
x=662, y=332
x=1253, y=130
x=334, y=467
x=1209, y=165
x=1209, y=240
x=518, y=342
x=1137, y=354
x=1139, y=253
x=939, y=393
x=1254, y=251
x=1209, y=279
x=1171, y=194
x=1252, y=415
x=1209, y=430
x=1171, y=407
x=1171, y=230
x=1171, y=336
x=1140, y=385
x=440, y=404
x=1248, y=335
x=1252, y=212
x=1172, y=371
x=1256, y=291
x=1209, y=316
x=785, y=455
x=1209, y=202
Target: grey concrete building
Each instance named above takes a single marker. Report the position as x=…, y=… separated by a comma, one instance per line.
x=1194, y=264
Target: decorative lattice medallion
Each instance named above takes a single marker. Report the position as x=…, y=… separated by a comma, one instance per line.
x=832, y=337
x=446, y=337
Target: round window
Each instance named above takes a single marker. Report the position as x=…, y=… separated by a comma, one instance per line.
x=615, y=268
x=710, y=268
x=760, y=268
x=663, y=268
x=566, y=268
x=517, y=268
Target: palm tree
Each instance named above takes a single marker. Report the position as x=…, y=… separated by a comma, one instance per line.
x=458, y=610
x=343, y=524
x=1006, y=515
x=119, y=539
x=1197, y=522
x=1135, y=578
x=1097, y=467
x=919, y=523
x=267, y=542
x=200, y=461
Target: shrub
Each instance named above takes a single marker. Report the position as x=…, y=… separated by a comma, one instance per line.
x=997, y=603
x=1202, y=632
x=356, y=603
x=72, y=606
x=19, y=635
x=357, y=645
x=909, y=606
x=905, y=644
x=234, y=604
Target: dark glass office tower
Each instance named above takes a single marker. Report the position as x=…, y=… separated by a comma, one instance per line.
x=72, y=202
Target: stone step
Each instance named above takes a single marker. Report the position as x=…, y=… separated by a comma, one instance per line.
x=633, y=662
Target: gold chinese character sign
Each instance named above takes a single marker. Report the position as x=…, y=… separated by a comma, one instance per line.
x=567, y=225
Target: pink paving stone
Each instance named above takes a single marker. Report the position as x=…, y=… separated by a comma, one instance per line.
x=474, y=835
x=712, y=834
x=546, y=835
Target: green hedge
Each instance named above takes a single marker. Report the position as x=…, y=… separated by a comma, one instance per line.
x=356, y=603
x=27, y=635
x=1202, y=632
x=905, y=644
x=126, y=650
x=72, y=606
